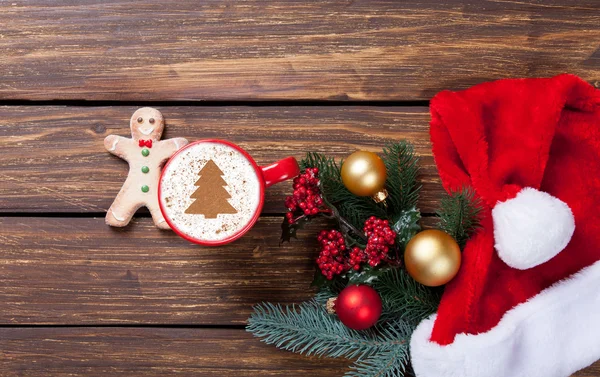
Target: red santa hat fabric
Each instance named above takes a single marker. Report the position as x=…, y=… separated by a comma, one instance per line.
x=525, y=302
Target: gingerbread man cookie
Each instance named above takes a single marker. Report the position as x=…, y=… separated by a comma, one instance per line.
x=146, y=154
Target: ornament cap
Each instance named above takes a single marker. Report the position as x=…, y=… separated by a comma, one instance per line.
x=330, y=305
x=380, y=196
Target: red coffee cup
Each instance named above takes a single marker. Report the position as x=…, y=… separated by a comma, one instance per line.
x=211, y=192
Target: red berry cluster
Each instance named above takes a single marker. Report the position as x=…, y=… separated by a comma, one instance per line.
x=331, y=260
x=380, y=238
x=306, y=199
x=357, y=257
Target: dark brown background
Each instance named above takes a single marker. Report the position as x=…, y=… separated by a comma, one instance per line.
x=276, y=77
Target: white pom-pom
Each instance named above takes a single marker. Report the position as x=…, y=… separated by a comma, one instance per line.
x=531, y=228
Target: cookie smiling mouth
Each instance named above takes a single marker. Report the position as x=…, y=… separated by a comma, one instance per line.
x=146, y=131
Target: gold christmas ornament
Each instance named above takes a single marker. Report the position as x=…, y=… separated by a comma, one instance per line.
x=432, y=257
x=364, y=174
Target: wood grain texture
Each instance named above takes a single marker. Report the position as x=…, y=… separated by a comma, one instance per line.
x=80, y=271
x=161, y=352
x=167, y=307
x=53, y=158
x=74, y=271
x=127, y=351
x=592, y=371
x=257, y=50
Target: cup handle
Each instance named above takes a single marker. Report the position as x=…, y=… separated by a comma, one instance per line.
x=280, y=171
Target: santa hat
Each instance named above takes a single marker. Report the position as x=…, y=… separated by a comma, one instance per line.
x=526, y=301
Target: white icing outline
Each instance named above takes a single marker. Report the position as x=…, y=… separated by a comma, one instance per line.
x=114, y=146
x=146, y=132
x=116, y=217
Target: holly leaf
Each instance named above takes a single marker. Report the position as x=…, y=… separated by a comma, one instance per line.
x=334, y=285
x=289, y=231
x=406, y=226
x=319, y=280
x=366, y=275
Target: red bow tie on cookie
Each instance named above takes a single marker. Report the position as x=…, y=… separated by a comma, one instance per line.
x=145, y=143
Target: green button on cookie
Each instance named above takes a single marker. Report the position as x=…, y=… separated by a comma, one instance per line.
x=145, y=169
x=145, y=152
x=145, y=188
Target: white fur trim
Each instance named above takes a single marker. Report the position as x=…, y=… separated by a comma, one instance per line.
x=554, y=334
x=531, y=228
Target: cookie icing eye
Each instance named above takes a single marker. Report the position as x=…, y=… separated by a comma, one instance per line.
x=151, y=120
x=140, y=120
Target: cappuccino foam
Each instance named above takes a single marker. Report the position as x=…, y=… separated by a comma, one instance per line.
x=178, y=185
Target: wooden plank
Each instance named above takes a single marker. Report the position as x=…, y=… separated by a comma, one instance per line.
x=53, y=157
x=79, y=271
x=592, y=371
x=258, y=50
x=151, y=352
x=158, y=352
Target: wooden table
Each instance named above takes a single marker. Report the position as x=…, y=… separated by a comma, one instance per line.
x=276, y=77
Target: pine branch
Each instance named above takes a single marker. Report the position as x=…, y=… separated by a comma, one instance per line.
x=459, y=214
x=388, y=363
x=328, y=291
x=308, y=329
x=402, y=168
x=405, y=298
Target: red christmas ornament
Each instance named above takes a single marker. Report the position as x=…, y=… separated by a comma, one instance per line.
x=358, y=306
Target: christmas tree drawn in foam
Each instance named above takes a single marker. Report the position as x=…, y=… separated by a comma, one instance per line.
x=211, y=195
